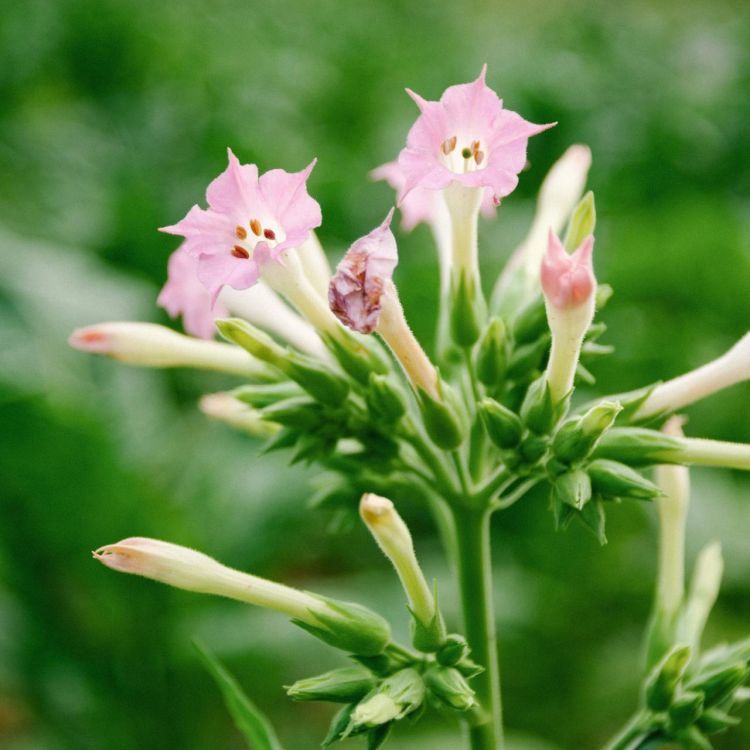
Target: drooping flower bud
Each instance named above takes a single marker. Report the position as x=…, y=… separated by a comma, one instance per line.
x=394, y=539
x=224, y=407
x=151, y=345
x=730, y=368
x=573, y=488
x=343, y=625
x=343, y=685
x=395, y=697
x=569, y=289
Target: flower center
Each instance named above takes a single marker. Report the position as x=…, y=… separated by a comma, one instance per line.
x=468, y=157
x=250, y=235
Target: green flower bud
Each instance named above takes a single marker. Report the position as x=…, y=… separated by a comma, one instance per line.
x=613, y=479
x=339, y=686
x=339, y=726
x=531, y=321
x=527, y=358
x=594, y=519
x=573, y=488
x=261, y=395
x=582, y=222
x=637, y=446
x=720, y=683
x=538, y=410
x=533, y=448
x=444, y=417
x=395, y=697
x=693, y=738
x=251, y=339
x=358, y=358
x=449, y=686
x=714, y=720
x=576, y=438
x=493, y=353
x=454, y=649
x=686, y=709
x=662, y=683
x=503, y=426
x=465, y=316
x=347, y=626
x=385, y=399
x=300, y=412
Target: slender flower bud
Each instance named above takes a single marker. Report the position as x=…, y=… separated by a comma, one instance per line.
x=704, y=591
x=730, y=368
x=560, y=192
x=613, y=479
x=569, y=289
x=152, y=345
x=394, y=539
x=343, y=625
x=315, y=264
x=339, y=686
x=395, y=697
x=224, y=407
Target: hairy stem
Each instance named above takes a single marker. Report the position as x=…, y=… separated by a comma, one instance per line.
x=475, y=583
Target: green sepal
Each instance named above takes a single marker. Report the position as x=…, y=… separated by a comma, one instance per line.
x=300, y=412
x=427, y=637
x=613, y=479
x=385, y=399
x=593, y=517
x=377, y=737
x=531, y=321
x=719, y=684
x=503, y=426
x=527, y=358
x=394, y=698
x=317, y=379
x=661, y=683
x=715, y=720
x=339, y=724
x=583, y=375
x=453, y=649
x=573, y=488
x=350, y=627
x=262, y=395
x=450, y=687
x=355, y=357
x=342, y=685
x=538, y=409
x=469, y=668
x=280, y=441
x=493, y=353
x=604, y=294
x=533, y=448
x=390, y=661
x=444, y=417
x=693, y=738
x=576, y=437
x=247, y=717
x=252, y=340
x=582, y=222
x=637, y=446
x=465, y=319
x=685, y=709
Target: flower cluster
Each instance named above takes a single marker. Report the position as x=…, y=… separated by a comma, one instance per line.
x=330, y=369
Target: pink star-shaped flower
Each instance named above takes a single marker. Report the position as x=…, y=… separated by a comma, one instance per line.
x=568, y=280
x=250, y=220
x=185, y=295
x=466, y=137
x=357, y=287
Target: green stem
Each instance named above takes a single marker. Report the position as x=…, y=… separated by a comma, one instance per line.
x=475, y=583
x=630, y=736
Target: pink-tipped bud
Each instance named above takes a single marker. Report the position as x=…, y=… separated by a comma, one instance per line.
x=356, y=289
x=568, y=280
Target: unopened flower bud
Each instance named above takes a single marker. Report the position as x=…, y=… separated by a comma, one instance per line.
x=715, y=720
x=569, y=289
x=453, y=649
x=503, y=426
x=686, y=709
x=444, y=416
x=704, y=591
x=151, y=345
x=573, y=488
x=493, y=353
x=344, y=625
x=663, y=680
x=385, y=399
x=450, y=687
x=637, y=446
x=730, y=368
x=343, y=685
x=395, y=697
x=613, y=479
x=465, y=315
x=720, y=683
x=576, y=438
x=538, y=409
x=224, y=407
x=394, y=539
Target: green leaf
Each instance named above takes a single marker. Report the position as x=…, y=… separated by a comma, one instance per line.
x=253, y=725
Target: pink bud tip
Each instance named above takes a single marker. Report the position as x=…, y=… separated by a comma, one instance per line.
x=568, y=280
x=91, y=339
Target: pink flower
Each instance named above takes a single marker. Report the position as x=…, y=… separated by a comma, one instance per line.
x=421, y=205
x=357, y=287
x=466, y=137
x=568, y=280
x=250, y=220
x=185, y=295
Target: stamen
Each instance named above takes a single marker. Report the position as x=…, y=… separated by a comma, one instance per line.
x=239, y=252
x=256, y=227
x=479, y=157
x=466, y=153
x=269, y=234
x=241, y=233
x=448, y=145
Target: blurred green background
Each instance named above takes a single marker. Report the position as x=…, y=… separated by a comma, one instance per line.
x=114, y=115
